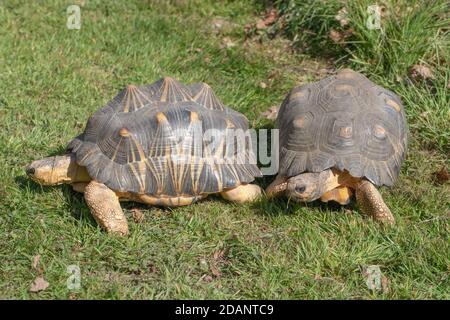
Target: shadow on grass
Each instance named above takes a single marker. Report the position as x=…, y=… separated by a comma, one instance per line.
x=78, y=207
x=284, y=206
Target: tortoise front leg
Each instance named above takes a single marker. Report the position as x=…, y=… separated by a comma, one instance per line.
x=277, y=187
x=105, y=208
x=370, y=201
x=243, y=193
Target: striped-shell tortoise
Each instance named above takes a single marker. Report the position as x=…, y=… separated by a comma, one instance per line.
x=148, y=145
x=341, y=135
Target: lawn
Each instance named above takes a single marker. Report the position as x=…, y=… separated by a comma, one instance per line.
x=52, y=79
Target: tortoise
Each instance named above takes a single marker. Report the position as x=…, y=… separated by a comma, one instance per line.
x=341, y=135
x=148, y=145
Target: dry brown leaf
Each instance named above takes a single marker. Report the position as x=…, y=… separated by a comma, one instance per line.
x=35, y=263
x=342, y=17
x=39, y=284
x=219, y=254
x=339, y=36
x=73, y=296
x=215, y=270
x=336, y=36
x=270, y=18
x=442, y=176
x=220, y=25
x=260, y=24
x=421, y=72
x=271, y=113
x=138, y=215
x=152, y=268
x=385, y=284
x=203, y=264
x=384, y=12
x=228, y=43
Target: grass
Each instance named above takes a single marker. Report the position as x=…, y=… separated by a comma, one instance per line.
x=52, y=79
x=411, y=33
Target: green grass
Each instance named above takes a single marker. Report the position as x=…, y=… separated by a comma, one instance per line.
x=52, y=79
x=413, y=32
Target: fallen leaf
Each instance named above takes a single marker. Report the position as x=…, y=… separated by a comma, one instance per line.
x=218, y=23
x=221, y=25
x=35, y=263
x=336, y=36
x=228, y=43
x=203, y=264
x=384, y=11
x=270, y=18
x=39, y=284
x=215, y=270
x=260, y=24
x=219, y=254
x=271, y=113
x=339, y=36
x=152, y=268
x=385, y=285
x=72, y=296
x=442, y=176
x=421, y=72
x=342, y=17
x=138, y=215
x=248, y=28
x=263, y=85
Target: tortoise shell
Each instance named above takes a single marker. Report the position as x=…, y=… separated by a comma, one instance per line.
x=150, y=140
x=344, y=121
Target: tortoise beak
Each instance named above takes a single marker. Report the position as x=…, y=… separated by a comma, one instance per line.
x=30, y=171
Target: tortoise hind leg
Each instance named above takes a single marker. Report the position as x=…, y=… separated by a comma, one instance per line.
x=242, y=194
x=105, y=208
x=370, y=201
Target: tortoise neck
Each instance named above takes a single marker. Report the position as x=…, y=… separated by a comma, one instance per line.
x=342, y=178
x=57, y=170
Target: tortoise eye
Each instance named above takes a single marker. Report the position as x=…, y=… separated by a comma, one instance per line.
x=300, y=189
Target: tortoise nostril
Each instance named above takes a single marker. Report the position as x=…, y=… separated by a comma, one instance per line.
x=300, y=189
x=30, y=171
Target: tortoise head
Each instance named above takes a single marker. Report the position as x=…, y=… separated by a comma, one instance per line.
x=57, y=170
x=307, y=187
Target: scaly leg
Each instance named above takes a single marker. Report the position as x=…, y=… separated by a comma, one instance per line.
x=243, y=193
x=277, y=187
x=370, y=201
x=105, y=208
